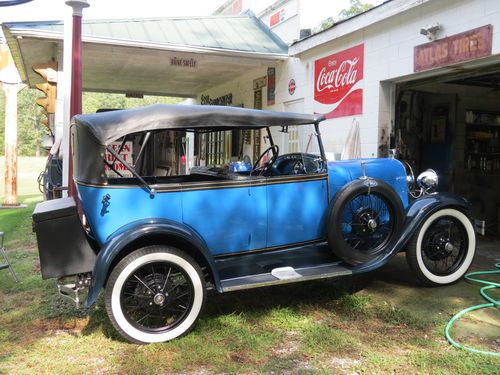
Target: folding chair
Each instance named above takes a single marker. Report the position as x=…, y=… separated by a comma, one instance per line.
x=6, y=262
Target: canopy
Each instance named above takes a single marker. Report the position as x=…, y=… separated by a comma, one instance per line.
x=110, y=126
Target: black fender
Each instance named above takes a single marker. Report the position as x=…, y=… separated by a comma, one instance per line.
x=416, y=213
x=136, y=230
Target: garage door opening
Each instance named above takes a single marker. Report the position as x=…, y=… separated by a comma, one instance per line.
x=452, y=124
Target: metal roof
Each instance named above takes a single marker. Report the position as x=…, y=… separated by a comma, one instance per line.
x=243, y=32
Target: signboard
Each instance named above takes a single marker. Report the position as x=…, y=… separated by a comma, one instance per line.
x=468, y=45
x=221, y=100
x=277, y=18
x=338, y=81
x=126, y=154
x=183, y=62
x=291, y=86
x=271, y=85
x=259, y=83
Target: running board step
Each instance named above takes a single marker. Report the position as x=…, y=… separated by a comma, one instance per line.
x=285, y=275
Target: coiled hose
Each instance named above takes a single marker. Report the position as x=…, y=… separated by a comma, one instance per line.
x=491, y=303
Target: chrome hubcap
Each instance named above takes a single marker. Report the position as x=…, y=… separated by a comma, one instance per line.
x=159, y=299
x=372, y=224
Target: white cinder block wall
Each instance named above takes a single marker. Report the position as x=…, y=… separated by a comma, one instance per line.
x=389, y=33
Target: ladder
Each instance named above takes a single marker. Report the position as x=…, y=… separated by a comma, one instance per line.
x=6, y=263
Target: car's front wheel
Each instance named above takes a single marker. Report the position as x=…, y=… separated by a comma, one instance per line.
x=155, y=294
x=443, y=248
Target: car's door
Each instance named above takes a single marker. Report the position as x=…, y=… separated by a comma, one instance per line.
x=296, y=209
x=230, y=216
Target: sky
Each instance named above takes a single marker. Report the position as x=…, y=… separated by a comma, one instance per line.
x=56, y=9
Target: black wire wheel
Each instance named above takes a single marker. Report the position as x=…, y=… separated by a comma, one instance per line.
x=442, y=249
x=155, y=294
x=365, y=215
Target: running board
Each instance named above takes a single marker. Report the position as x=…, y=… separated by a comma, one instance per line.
x=285, y=275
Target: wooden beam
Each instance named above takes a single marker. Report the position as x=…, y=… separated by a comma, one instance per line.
x=10, y=188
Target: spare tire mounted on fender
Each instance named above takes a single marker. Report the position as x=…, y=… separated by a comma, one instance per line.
x=363, y=218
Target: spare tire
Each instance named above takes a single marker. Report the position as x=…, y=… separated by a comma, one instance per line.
x=363, y=218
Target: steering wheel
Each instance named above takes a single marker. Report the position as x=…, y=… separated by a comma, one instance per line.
x=271, y=161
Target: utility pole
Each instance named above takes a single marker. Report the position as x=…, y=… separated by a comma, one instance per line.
x=10, y=187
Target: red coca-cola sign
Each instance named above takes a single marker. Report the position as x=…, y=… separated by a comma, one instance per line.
x=338, y=80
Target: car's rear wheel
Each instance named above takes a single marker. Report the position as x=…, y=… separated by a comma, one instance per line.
x=442, y=249
x=364, y=217
x=155, y=294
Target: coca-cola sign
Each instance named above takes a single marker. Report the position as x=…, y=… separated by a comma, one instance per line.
x=338, y=80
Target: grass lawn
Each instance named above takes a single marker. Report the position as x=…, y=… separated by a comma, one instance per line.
x=390, y=325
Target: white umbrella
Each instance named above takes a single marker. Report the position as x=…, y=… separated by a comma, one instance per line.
x=352, y=146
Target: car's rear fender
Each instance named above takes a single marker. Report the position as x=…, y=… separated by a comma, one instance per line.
x=417, y=212
x=145, y=232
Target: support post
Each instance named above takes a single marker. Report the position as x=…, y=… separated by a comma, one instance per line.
x=10, y=187
x=76, y=78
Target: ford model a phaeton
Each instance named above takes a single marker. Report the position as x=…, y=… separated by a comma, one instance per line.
x=156, y=241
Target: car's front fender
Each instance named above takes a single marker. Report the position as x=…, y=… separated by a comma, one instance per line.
x=135, y=231
x=417, y=212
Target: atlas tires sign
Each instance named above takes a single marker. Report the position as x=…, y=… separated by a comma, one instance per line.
x=338, y=81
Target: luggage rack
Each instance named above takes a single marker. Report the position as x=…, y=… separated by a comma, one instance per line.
x=72, y=290
x=6, y=263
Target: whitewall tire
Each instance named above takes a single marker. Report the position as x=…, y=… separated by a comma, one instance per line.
x=443, y=248
x=155, y=294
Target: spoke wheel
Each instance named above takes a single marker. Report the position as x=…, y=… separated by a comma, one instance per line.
x=368, y=222
x=364, y=217
x=443, y=248
x=155, y=294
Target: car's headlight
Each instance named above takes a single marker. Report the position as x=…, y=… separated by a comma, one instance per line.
x=428, y=180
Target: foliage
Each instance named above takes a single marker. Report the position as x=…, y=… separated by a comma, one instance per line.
x=29, y=116
x=356, y=7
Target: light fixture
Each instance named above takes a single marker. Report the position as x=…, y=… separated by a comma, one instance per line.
x=430, y=31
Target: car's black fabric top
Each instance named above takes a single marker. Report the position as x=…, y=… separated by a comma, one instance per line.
x=110, y=126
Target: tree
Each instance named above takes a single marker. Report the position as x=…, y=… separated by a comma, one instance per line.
x=357, y=7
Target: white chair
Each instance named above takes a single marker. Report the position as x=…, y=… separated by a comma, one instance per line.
x=6, y=262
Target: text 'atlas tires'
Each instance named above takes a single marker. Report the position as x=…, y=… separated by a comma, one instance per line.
x=155, y=294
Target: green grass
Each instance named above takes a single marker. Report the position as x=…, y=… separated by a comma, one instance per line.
x=390, y=325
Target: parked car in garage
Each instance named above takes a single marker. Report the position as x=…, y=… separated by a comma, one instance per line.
x=157, y=243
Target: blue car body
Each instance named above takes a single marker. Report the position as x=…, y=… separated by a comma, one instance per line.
x=238, y=226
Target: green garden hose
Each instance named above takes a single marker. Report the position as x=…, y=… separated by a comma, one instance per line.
x=491, y=303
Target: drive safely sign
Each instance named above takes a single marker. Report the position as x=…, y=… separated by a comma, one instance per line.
x=338, y=80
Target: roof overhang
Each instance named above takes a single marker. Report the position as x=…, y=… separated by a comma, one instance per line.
x=125, y=66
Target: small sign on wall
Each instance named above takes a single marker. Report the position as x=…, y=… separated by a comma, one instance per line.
x=259, y=83
x=271, y=85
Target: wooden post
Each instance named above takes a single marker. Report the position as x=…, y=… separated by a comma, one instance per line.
x=10, y=188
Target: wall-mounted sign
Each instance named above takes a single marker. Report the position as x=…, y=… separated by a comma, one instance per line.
x=271, y=85
x=465, y=46
x=221, y=100
x=182, y=62
x=277, y=18
x=338, y=80
x=126, y=154
x=259, y=83
x=257, y=99
x=291, y=86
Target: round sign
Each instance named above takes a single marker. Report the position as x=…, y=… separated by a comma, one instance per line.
x=291, y=86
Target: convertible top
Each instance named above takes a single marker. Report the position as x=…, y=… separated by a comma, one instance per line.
x=110, y=126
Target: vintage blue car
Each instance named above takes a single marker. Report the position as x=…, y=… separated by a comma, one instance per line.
x=157, y=242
